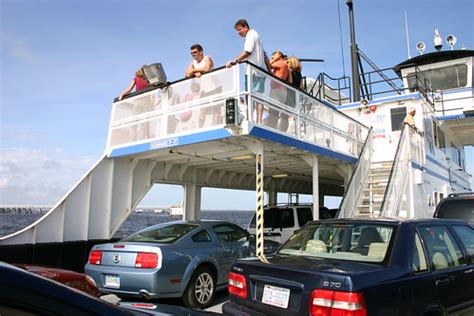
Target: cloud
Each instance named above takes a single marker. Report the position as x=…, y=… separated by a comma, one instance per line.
x=17, y=49
x=3, y=183
x=38, y=177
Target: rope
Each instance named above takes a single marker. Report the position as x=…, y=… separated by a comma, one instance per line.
x=259, y=239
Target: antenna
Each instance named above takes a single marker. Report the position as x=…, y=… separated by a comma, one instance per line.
x=407, y=35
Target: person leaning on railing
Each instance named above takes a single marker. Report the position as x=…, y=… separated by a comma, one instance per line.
x=254, y=53
x=200, y=63
x=281, y=70
x=410, y=118
x=140, y=82
x=296, y=79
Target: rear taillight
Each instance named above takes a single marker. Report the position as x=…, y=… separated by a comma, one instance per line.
x=146, y=260
x=237, y=285
x=95, y=257
x=337, y=303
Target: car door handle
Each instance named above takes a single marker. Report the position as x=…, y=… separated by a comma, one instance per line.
x=442, y=282
x=468, y=271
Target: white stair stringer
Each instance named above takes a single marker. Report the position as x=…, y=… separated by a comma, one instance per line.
x=95, y=207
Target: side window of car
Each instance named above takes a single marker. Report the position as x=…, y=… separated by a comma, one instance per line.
x=443, y=250
x=304, y=215
x=229, y=233
x=418, y=261
x=466, y=235
x=202, y=236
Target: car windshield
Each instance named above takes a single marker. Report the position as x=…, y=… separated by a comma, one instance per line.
x=353, y=242
x=165, y=235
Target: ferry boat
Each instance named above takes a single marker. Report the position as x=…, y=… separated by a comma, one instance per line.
x=411, y=170
x=325, y=140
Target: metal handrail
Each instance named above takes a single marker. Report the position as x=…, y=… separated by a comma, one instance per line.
x=401, y=164
x=347, y=204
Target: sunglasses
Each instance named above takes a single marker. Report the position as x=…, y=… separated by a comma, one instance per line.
x=194, y=52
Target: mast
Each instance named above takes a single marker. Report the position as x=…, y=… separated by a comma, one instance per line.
x=354, y=56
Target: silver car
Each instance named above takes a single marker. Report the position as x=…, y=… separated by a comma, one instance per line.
x=187, y=259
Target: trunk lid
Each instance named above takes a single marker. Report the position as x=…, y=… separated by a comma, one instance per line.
x=125, y=254
x=284, y=285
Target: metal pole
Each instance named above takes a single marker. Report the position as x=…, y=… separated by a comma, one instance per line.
x=354, y=59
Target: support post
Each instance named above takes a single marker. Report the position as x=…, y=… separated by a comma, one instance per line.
x=272, y=197
x=314, y=163
x=192, y=202
x=259, y=202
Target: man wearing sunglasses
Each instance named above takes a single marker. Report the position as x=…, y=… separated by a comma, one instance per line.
x=200, y=63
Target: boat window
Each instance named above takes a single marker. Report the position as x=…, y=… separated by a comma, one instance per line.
x=440, y=78
x=353, y=242
x=166, y=235
x=441, y=141
x=397, y=115
x=456, y=155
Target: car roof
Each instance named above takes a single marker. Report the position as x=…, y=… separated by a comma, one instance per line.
x=391, y=221
x=201, y=223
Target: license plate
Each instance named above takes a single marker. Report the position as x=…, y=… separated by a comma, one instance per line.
x=276, y=296
x=112, y=281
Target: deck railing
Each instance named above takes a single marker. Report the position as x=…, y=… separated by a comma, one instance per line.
x=198, y=104
x=410, y=148
x=358, y=181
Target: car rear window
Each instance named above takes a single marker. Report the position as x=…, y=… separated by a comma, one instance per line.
x=165, y=235
x=353, y=242
x=457, y=208
x=276, y=218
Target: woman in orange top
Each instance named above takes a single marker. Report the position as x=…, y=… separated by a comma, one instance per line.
x=278, y=91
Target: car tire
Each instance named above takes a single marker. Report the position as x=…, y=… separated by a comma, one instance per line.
x=201, y=289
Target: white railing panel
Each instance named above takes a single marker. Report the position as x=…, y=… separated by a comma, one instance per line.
x=410, y=148
x=358, y=180
x=199, y=104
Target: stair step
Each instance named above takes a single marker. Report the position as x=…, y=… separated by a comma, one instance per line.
x=380, y=174
x=380, y=169
x=374, y=206
x=378, y=181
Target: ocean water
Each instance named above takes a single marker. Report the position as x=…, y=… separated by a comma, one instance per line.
x=10, y=223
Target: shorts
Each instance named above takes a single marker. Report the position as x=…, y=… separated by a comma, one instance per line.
x=258, y=83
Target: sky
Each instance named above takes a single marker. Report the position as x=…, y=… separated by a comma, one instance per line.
x=63, y=62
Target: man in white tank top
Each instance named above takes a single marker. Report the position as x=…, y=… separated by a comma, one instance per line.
x=200, y=63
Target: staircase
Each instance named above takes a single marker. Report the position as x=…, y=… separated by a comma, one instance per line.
x=374, y=190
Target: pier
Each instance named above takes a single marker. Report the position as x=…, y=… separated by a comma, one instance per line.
x=24, y=209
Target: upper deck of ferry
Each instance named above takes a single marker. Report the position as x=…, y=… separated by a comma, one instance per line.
x=211, y=123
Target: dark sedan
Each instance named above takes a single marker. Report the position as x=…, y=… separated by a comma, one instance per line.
x=361, y=267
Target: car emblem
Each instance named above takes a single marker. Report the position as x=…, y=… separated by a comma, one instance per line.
x=116, y=258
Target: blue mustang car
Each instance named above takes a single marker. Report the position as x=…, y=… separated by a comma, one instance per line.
x=361, y=267
x=188, y=259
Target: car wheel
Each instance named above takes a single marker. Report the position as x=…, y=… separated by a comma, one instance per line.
x=201, y=289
